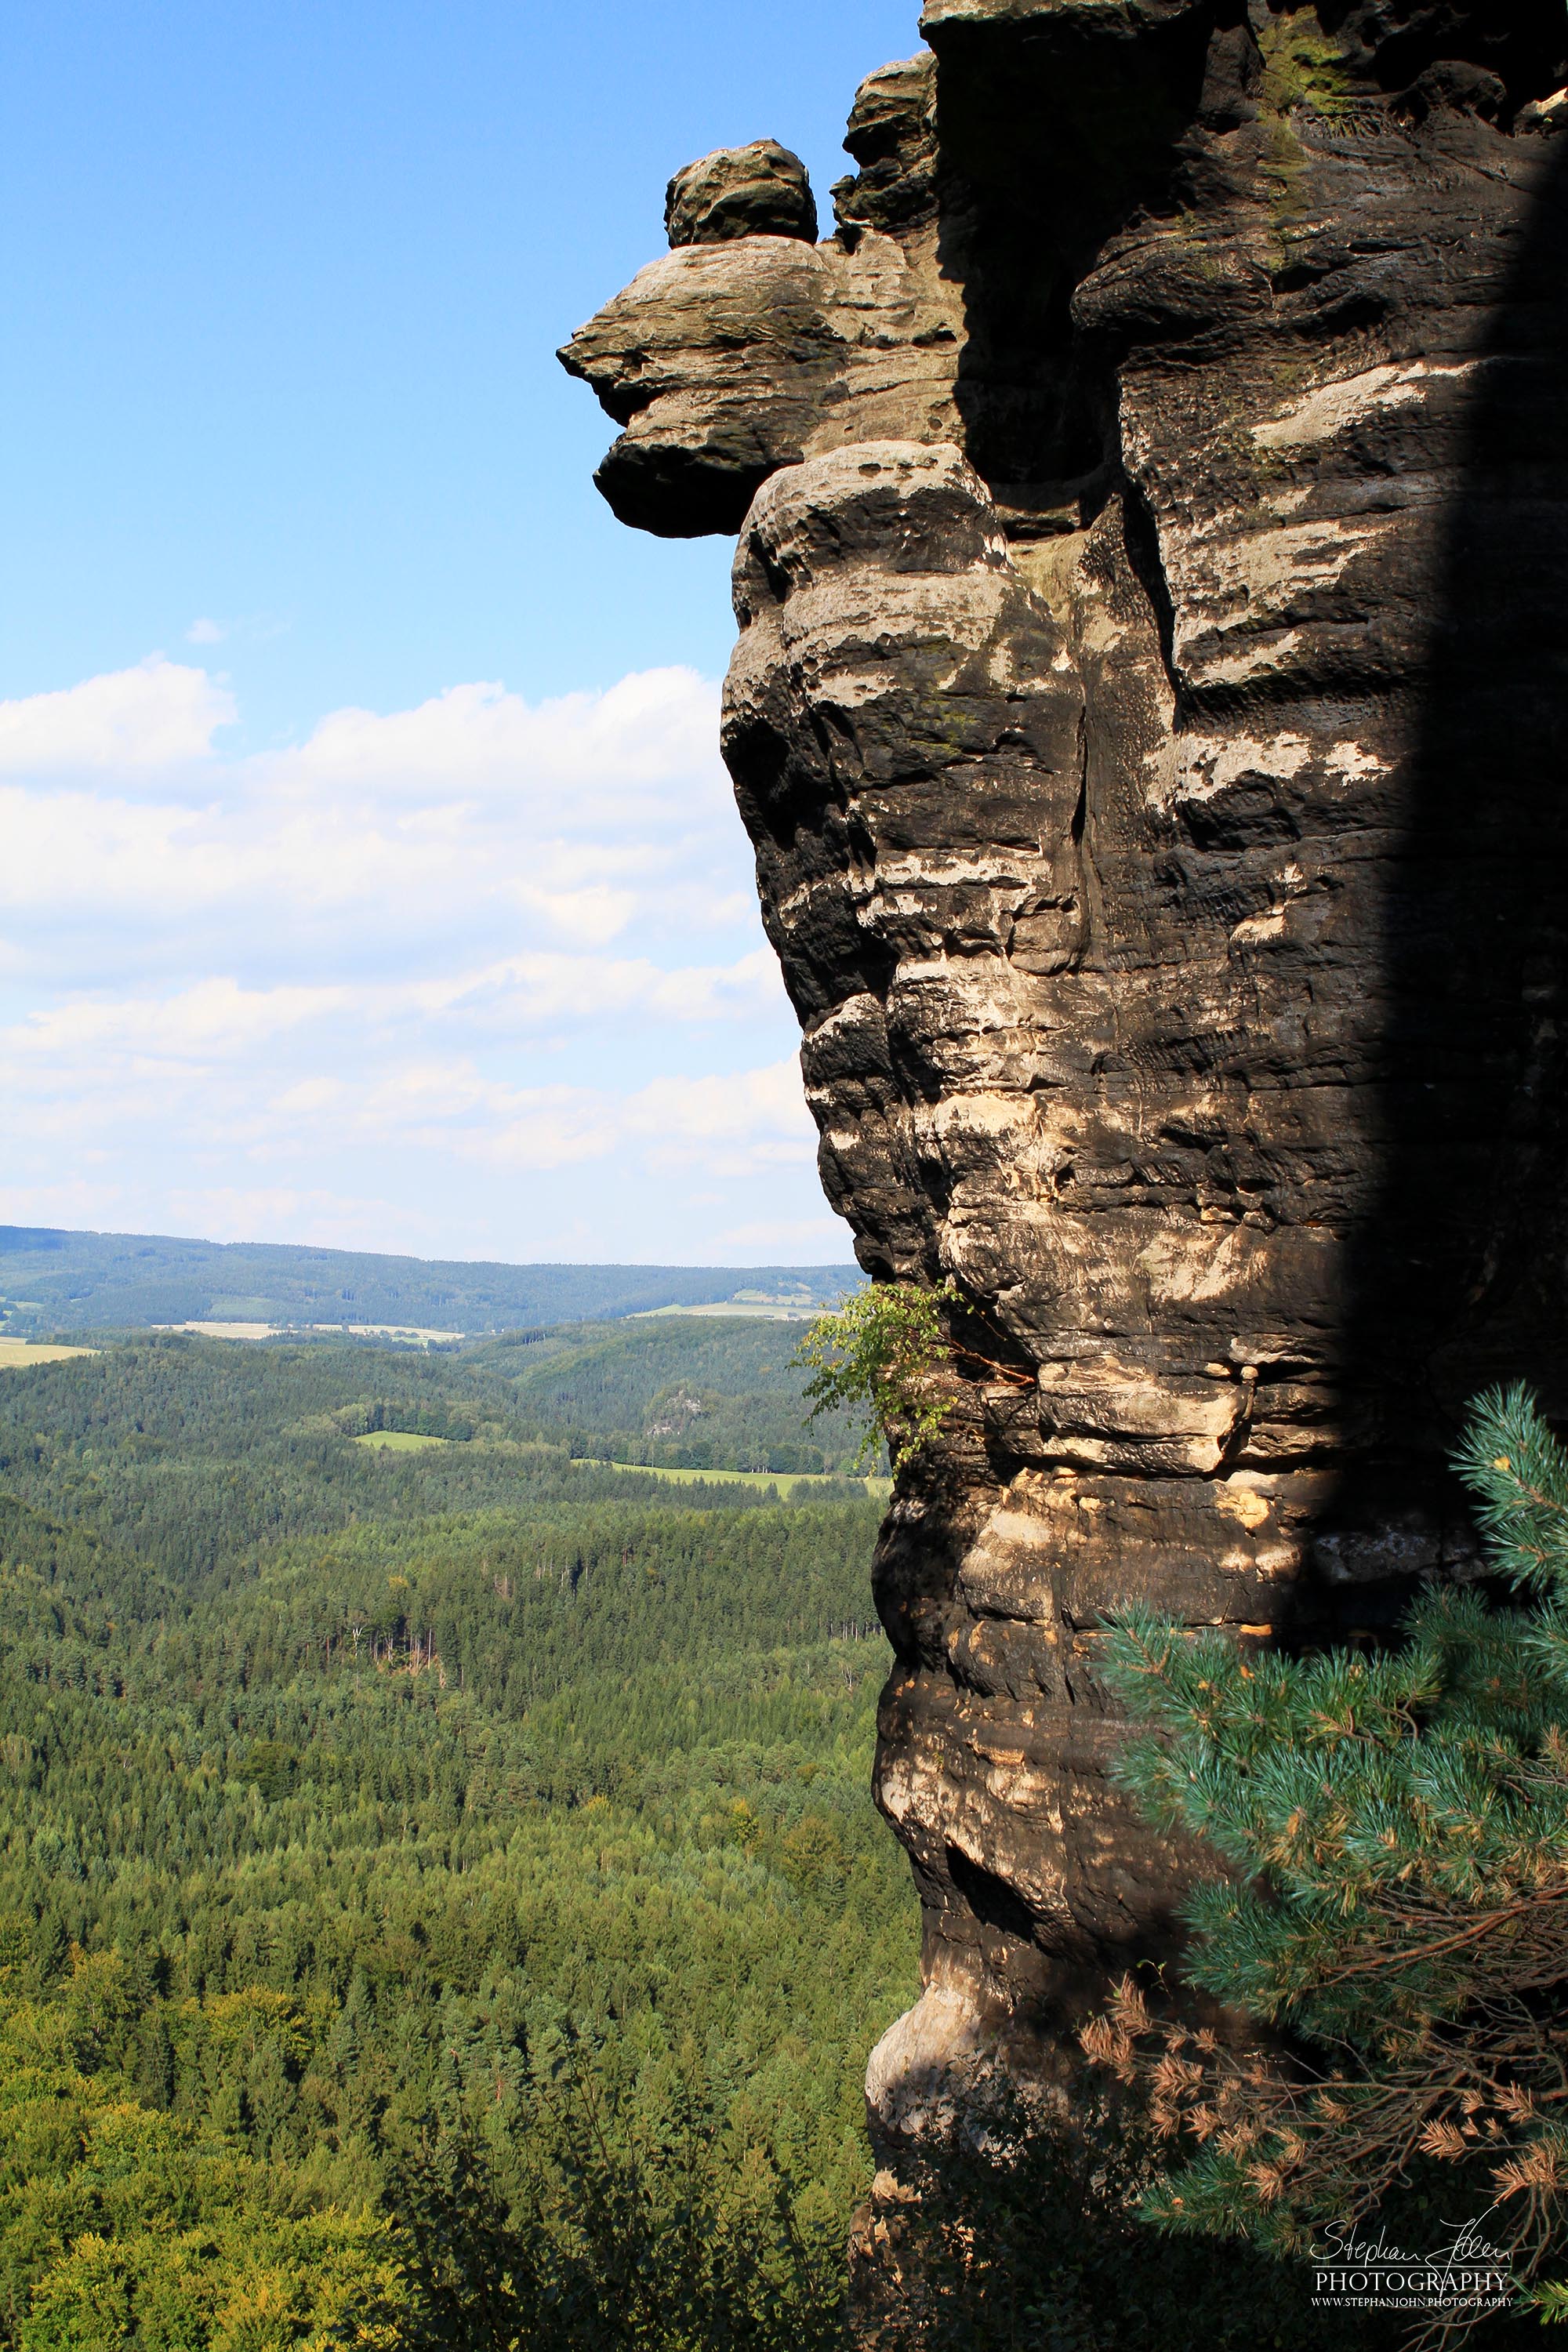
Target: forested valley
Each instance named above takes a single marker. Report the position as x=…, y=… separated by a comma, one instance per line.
x=440, y=1898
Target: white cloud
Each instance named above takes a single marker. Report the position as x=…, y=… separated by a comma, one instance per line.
x=535, y=989
x=800, y=1239
x=482, y=971
x=214, y=1019
x=577, y=818
x=654, y=729
x=74, y=855
x=219, y=1214
x=730, y=1125
x=218, y=1021
x=74, y=1202
x=160, y=714
x=206, y=633
x=230, y=1213
x=758, y=1107
x=219, y=1068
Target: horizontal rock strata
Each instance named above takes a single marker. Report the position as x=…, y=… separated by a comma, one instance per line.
x=1153, y=587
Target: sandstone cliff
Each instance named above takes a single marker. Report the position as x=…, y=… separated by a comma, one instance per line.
x=1152, y=589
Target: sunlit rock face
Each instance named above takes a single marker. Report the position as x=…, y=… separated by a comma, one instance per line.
x=760, y=190
x=735, y=355
x=1148, y=711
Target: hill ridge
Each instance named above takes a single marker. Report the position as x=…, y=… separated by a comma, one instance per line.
x=53, y=1279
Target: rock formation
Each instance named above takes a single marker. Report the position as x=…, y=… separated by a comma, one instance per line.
x=1153, y=588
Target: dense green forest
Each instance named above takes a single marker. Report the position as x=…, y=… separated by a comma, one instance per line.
x=51, y=1280
x=695, y=1394
x=440, y=1900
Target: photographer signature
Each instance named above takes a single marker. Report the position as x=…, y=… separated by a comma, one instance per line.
x=1463, y=2246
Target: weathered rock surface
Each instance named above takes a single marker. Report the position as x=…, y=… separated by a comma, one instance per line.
x=756, y=191
x=1149, y=711
x=730, y=359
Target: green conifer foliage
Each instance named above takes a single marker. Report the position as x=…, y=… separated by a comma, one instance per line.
x=1392, y=1904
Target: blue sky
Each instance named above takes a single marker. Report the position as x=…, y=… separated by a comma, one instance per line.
x=371, y=878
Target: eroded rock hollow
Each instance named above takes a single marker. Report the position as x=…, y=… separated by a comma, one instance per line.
x=1148, y=711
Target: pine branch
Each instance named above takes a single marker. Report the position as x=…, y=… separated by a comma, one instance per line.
x=1396, y=1831
x=1518, y=1474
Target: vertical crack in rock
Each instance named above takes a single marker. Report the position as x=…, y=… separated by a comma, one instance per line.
x=1148, y=712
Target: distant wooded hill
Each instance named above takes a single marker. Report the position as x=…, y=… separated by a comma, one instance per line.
x=57, y=1281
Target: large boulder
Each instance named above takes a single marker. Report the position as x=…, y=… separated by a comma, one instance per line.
x=756, y=191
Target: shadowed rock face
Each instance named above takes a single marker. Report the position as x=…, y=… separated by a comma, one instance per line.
x=1148, y=711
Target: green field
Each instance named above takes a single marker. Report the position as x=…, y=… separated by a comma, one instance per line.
x=398, y=1440
x=781, y=1483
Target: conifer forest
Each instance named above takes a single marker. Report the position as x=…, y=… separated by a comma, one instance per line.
x=440, y=1897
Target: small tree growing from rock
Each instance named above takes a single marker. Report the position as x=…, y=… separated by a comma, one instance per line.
x=883, y=1352
x=880, y=1353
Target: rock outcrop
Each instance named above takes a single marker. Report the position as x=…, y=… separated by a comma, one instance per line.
x=756, y=191
x=1148, y=711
